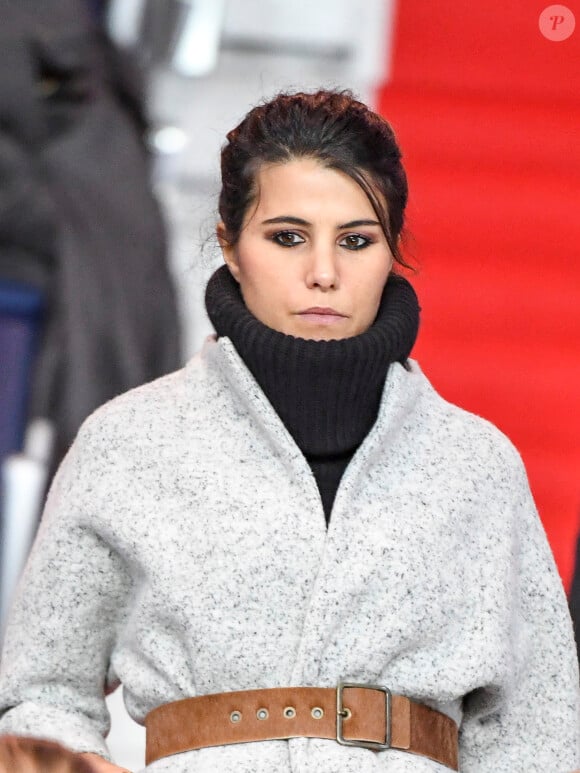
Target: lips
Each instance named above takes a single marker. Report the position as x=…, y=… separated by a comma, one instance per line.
x=320, y=315
x=324, y=311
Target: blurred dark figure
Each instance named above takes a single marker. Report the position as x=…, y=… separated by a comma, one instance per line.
x=78, y=222
x=98, y=8
x=29, y=755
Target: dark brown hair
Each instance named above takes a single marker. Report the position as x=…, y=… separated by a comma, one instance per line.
x=331, y=127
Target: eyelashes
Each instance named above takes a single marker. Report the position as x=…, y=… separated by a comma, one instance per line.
x=352, y=241
x=287, y=238
x=355, y=242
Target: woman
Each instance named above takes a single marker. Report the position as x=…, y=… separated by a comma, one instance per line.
x=297, y=508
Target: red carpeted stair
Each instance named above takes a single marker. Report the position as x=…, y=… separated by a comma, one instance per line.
x=488, y=115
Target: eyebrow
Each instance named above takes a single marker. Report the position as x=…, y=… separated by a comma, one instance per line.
x=300, y=221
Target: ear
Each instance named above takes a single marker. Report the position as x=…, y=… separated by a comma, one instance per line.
x=228, y=251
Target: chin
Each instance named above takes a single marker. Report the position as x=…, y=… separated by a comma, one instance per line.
x=323, y=334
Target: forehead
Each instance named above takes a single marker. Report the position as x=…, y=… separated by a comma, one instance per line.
x=307, y=189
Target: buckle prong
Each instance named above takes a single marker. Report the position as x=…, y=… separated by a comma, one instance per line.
x=343, y=713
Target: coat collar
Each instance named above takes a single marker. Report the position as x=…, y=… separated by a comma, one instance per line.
x=402, y=391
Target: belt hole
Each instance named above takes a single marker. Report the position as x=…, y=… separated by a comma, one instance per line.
x=262, y=713
x=345, y=713
x=317, y=712
x=236, y=716
x=289, y=712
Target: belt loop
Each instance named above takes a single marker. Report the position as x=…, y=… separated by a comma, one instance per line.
x=401, y=722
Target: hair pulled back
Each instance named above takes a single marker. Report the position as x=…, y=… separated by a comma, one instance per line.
x=331, y=127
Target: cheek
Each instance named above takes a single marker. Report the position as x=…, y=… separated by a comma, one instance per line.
x=265, y=286
x=367, y=297
x=265, y=276
x=369, y=287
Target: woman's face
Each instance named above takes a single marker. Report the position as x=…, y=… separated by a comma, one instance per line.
x=312, y=259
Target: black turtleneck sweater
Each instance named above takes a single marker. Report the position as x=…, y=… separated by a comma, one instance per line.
x=327, y=393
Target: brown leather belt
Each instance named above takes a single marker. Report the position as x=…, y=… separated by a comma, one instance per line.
x=367, y=716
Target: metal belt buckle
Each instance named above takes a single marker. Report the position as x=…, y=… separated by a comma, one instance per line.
x=342, y=713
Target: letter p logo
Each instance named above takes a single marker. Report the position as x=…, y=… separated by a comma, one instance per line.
x=557, y=22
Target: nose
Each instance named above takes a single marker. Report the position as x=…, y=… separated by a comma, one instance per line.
x=322, y=269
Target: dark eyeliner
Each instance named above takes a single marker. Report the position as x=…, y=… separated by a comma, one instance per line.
x=286, y=232
x=367, y=241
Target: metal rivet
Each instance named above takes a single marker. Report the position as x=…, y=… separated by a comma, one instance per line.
x=262, y=713
x=235, y=716
x=289, y=712
x=317, y=712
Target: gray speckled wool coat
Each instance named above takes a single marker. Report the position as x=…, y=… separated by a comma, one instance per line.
x=184, y=551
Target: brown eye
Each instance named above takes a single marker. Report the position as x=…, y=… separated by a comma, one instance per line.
x=287, y=238
x=354, y=242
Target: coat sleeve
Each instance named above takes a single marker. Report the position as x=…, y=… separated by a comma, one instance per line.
x=62, y=626
x=534, y=727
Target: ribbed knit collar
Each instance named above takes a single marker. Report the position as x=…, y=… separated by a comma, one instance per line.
x=327, y=393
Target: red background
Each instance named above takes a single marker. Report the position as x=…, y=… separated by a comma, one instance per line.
x=487, y=112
